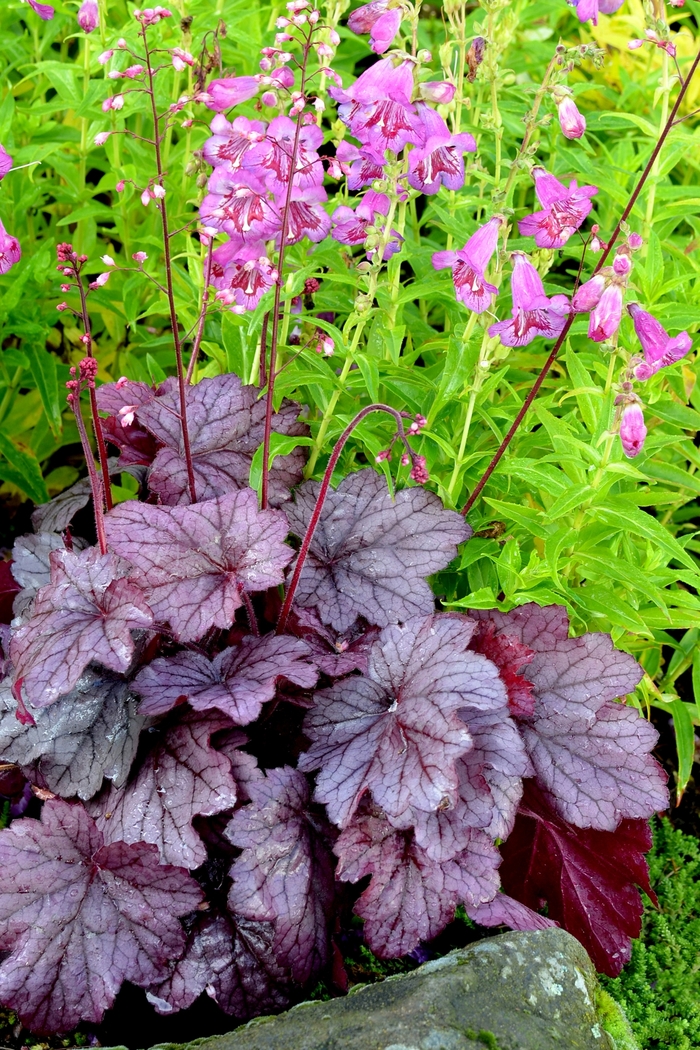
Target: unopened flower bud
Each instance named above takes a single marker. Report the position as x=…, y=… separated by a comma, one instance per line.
x=268, y=98
x=633, y=432
x=101, y=138
x=158, y=191
x=140, y=257
x=571, y=121
x=88, y=16
x=383, y=456
x=107, y=260
x=334, y=37
x=405, y=459
x=622, y=264
x=635, y=241
x=419, y=473
x=104, y=58
x=201, y=180
x=120, y=186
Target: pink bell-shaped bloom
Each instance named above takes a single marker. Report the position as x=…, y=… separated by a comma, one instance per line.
x=439, y=160
x=271, y=158
x=571, y=121
x=88, y=16
x=5, y=162
x=588, y=295
x=377, y=107
x=381, y=19
x=351, y=227
x=564, y=210
x=243, y=284
x=238, y=204
x=606, y=315
x=533, y=312
x=230, y=91
x=306, y=216
x=44, y=11
x=469, y=264
x=232, y=140
x=441, y=92
x=10, y=251
x=588, y=10
x=633, y=432
x=362, y=167
x=659, y=348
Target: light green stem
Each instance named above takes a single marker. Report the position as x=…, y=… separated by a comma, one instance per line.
x=480, y=375
x=653, y=180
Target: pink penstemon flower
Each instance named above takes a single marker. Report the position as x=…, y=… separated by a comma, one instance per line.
x=533, y=312
x=353, y=227
x=660, y=350
x=633, y=430
x=377, y=108
x=603, y=296
x=381, y=19
x=10, y=251
x=44, y=11
x=588, y=10
x=564, y=210
x=469, y=265
x=438, y=159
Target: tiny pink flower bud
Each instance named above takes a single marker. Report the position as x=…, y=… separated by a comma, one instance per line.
x=634, y=44
x=265, y=65
x=120, y=186
x=383, y=456
x=133, y=71
x=282, y=22
x=140, y=257
x=101, y=138
x=62, y=306
x=158, y=191
x=405, y=459
x=635, y=241
x=118, y=102
x=101, y=279
x=283, y=38
x=300, y=20
x=622, y=265
x=146, y=198
x=324, y=50
x=571, y=121
x=122, y=381
x=114, y=74
x=104, y=58
x=88, y=16
x=85, y=339
x=121, y=42
x=268, y=98
x=314, y=17
x=439, y=91
x=66, y=287
x=632, y=430
x=107, y=260
x=187, y=123
x=334, y=37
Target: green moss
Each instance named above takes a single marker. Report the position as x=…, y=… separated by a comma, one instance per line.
x=614, y=1021
x=660, y=987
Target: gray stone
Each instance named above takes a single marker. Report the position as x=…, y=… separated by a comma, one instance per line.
x=519, y=991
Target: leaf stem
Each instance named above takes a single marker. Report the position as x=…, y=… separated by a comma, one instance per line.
x=169, y=277
x=321, y=498
x=202, y=315
x=95, y=480
x=570, y=319
x=96, y=422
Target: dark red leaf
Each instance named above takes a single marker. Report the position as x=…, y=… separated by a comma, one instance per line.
x=193, y=562
x=238, y=681
x=80, y=917
x=9, y=588
x=511, y=658
x=588, y=879
x=86, y=613
x=284, y=874
x=370, y=553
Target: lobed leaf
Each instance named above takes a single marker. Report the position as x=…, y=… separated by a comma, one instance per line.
x=370, y=553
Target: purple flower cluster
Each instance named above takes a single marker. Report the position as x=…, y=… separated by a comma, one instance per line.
x=10, y=251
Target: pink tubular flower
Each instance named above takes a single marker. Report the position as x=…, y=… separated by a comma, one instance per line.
x=660, y=350
x=5, y=162
x=588, y=10
x=571, y=121
x=351, y=227
x=564, y=210
x=362, y=166
x=44, y=11
x=633, y=432
x=306, y=216
x=533, y=313
x=181, y=59
x=10, y=251
x=101, y=138
x=377, y=108
x=271, y=158
x=88, y=16
x=244, y=283
x=231, y=141
x=380, y=19
x=441, y=92
x=606, y=315
x=237, y=203
x=230, y=91
x=469, y=264
x=439, y=159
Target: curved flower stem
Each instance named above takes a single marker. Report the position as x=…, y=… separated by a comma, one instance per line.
x=531, y=119
x=320, y=500
x=95, y=479
x=202, y=315
x=570, y=319
x=169, y=277
x=96, y=424
x=278, y=287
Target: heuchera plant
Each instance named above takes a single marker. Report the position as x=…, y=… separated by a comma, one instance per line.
x=243, y=713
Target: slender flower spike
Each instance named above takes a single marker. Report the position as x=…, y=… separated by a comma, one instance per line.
x=230, y=91
x=533, y=312
x=469, y=265
x=10, y=251
x=88, y=16
x=381, y=19
x=660, y=350
x=588, y=10
x=44, y=11
x=633, y=432
x=438, y=160
x=5, y=163
x=564, y=210
x=571, y=120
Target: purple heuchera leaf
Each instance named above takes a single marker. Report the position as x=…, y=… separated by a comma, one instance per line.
x=193, y=562
x=410, y=898
x=335, y=656
x=505, y=911
x=284, y=874
x=226, y=422
x=370, y=553
x=233, y=960
x=511, y=657
x=596, y=775
x=86, y=613
x=244, y=767
x=396, y=733
x=180, y=777
x=90, y=733
x=31, y=566
x=80, y=917
x=588, y=879
x=238, y=681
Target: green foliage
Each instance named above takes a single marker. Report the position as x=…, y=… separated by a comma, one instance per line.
x=660, y=987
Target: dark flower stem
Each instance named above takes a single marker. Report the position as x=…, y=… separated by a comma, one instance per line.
x=169, y=278
x=95, y=479
x=264, y=493
x=570, y=319
x=263, y=350
x=202, y=315
x=96, y=422
x=250, y=611
x=323, y=492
